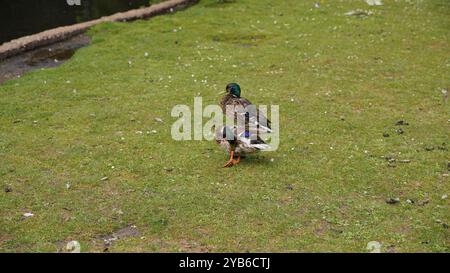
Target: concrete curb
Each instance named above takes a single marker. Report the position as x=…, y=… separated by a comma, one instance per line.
x=47, y=37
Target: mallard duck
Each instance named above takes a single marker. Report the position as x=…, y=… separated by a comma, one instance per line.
x=244, y=112
x=249, y=123
x=237, y=142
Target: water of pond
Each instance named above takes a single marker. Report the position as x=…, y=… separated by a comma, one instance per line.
x=24, y=17
x=40, y=58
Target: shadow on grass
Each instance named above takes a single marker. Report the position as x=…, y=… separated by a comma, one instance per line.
x=254, y=160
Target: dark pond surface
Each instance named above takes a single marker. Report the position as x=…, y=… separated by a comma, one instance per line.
x=24, y=17
x=41, y=57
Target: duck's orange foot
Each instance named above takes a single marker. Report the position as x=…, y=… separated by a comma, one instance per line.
x=232, y=162
x=229, y=164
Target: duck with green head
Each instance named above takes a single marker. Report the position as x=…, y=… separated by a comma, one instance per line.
x=249, y=123
x=251, y=115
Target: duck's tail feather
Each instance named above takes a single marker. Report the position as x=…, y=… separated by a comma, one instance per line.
x=262, y=128
x=261, y=146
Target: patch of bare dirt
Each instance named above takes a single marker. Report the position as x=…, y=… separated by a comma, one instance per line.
x=130, y=231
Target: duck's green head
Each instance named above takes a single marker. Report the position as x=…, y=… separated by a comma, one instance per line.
x=234, y=89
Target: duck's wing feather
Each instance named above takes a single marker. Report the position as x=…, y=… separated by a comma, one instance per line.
x=250, y=140
x=247, y=113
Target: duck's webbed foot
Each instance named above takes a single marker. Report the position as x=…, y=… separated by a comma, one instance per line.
x=232, y=161
x=237, y=160
x=229, y=164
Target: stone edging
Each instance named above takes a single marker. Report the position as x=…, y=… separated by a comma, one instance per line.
x=17, y=46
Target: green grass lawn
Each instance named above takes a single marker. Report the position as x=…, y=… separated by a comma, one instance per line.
x=341, y=82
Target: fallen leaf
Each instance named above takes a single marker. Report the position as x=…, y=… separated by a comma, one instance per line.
x=393, y=201
x=73, y=247
x=374, y=247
